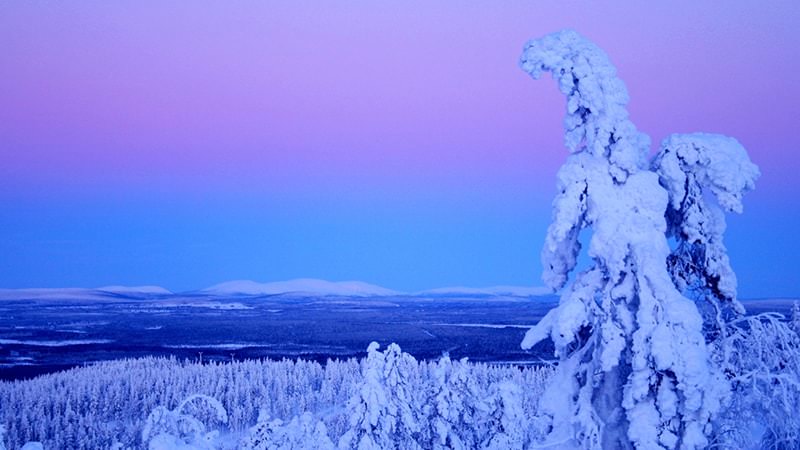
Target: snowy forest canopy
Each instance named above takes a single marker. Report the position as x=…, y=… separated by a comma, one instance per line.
x=387, y=400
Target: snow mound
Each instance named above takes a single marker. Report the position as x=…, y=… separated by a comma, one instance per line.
x=300, y=286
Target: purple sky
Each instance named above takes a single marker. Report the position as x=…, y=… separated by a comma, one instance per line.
x=184, y=144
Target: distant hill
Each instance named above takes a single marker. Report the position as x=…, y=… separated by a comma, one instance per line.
x=310, y=286
x=300, y=286
x=106, y=292
x=247, y=288
x=156, y=290
x=510, y=291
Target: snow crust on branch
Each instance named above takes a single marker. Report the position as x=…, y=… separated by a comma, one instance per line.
x=596, y=123
x=597, y=118
x=691, y=167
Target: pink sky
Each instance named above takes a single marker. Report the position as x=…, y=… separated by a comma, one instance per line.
x=150, y=91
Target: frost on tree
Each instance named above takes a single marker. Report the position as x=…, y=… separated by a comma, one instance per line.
x=373, y=414
x=301, y=433
x=691, y=167
x=457, y=406
x=181, y=428
x=635, y=370
x=384, y=413
x=506, y=418
x=761, y=357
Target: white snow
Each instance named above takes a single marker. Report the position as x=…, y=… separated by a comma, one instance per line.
x=511, y=291
x=153, y=290
x=691, y=167
x=33, y=446
x=210, y=305
x=300, y=286
x=230, y=346
x=58, y=343
x=103, y=293
x=483, y=325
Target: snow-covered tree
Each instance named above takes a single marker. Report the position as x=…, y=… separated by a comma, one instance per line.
x=260, y=436
x=383, y=414
x=761, y=358
x=398, y=371
x=458, y=407
x=166, y=429
x=301, y=433
x=445, y=408
x=635, y=370
x=705, y=176
x=371, y=423
x=506, y=418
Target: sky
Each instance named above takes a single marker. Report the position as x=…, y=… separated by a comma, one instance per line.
x=184, y=144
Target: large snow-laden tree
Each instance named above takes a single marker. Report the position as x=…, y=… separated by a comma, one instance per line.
x=383, y=414
x=398, y=375
x=458, y=406
x=635, y=370
x=705, y=175
x=506, y=418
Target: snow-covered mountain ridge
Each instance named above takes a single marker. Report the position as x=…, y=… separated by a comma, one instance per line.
x=248, y=288
x=511, y=291
x=361, y=289
x=105, y=292
x=300, y=286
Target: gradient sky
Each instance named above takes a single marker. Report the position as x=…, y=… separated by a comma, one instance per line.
x=187, y=143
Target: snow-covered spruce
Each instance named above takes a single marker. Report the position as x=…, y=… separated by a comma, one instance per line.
x=185, y=427
x=372, y=418
x=705, y=175
x=456, y=407
x=635, y=370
